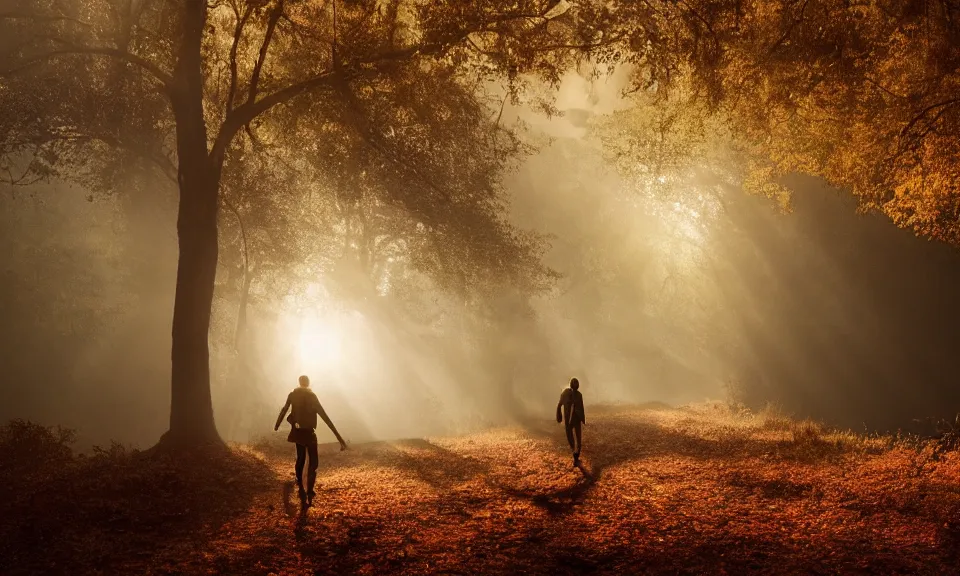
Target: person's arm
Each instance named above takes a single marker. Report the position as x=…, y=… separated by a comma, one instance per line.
x=326, y=419
x=283, y=412
x=559, y=406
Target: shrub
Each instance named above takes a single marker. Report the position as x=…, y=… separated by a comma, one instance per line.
x=948, y=439
x=774, y=419
x=806, y=432
x=27, y=448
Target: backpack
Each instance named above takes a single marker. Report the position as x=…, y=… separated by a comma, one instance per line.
x=291, y=418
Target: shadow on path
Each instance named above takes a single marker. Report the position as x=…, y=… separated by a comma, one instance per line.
x=559, y=501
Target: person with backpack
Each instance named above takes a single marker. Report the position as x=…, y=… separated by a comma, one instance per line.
x=304, y=408
x=571, y=404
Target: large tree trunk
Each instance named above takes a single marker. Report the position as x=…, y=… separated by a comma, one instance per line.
x=191, y=406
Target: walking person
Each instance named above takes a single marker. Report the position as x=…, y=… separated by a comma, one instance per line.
x=304, y=408
x=571, y=405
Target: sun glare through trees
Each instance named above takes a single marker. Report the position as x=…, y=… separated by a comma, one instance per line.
x=321, y=344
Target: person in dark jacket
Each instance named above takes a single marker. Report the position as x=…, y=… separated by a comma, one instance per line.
x=571, y=404
x=304, y=408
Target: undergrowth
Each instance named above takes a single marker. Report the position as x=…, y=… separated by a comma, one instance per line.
x=60, y=509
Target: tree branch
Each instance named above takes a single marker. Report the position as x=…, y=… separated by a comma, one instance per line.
x=246, y=113
x=915, y=141
x=368, y=135
x=245, y=285
x=920, y=115
x=883, y=88
x=40, y=18
x=157, y=157
x=585, y=47
x=243, y=231
x=267, y=38
x=795, y=21
x=451, y=40
x=706, y=23
x=238, y=31
x=11, y=180
x=165, y=79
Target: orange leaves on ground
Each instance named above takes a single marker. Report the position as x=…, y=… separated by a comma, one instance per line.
x=666, y=491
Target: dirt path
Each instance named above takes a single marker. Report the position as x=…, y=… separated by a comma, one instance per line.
x=661, y=492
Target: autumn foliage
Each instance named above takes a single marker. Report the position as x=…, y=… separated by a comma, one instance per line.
x=663, y=491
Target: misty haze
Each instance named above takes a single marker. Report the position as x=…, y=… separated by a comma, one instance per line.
x=577, y=287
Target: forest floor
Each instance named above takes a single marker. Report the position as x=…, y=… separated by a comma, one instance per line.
x=698, y=490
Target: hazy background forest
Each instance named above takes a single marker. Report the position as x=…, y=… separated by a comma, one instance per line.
x=693, y=291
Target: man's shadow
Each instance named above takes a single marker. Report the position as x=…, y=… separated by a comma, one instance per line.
x=563, y=500
x=295, y=506
x=589, y=475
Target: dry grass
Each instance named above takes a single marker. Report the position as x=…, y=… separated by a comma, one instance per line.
x=705, y=489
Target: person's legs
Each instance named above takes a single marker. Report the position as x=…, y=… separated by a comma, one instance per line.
x=301, y=459
x=312, y=470
x=578, y=430
x=569, y=428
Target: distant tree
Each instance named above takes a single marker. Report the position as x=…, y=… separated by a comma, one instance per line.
x=54, y=299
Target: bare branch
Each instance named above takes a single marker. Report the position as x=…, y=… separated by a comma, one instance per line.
x=158, y=158
x=911, y=143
